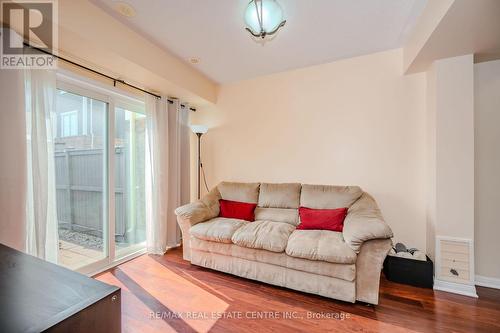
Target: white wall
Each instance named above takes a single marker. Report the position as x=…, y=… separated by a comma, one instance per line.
x=13, y=164
x=450, y=150
x=487, y=162
x=357, y=121
x=431, y=161
x=455, y=147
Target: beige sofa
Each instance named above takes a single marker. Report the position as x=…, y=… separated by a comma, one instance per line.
x=342, y=265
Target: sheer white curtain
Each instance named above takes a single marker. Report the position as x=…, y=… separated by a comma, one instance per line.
x=41, y=212
x=179, y=167
x=166, y=163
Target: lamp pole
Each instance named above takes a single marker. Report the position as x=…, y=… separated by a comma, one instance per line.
x=199, y=163
x=199, y=130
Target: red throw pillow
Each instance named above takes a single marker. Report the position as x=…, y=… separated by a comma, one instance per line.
x=322, y=219
x=237, y=210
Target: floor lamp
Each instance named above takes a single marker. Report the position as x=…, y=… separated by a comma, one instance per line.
x=199, y=130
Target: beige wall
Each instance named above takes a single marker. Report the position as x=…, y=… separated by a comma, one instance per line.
x=427, y=23
x=357, y=121
x=13, y=164
x=450, y=150
x=92, y=37
x=455, y=147
x=449, y=28
x=431, y=157
x=487, y=135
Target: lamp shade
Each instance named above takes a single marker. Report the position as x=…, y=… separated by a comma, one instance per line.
x=272, y=15
x=199, y=129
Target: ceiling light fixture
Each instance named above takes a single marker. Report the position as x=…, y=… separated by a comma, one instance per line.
x=263, y=18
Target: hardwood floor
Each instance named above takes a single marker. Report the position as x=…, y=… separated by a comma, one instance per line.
x=168, y=294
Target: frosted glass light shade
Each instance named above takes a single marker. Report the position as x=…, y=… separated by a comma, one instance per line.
x=199, y=129
x=272, y=15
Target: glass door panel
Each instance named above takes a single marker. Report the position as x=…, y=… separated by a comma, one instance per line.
x=130, y=179
x=81, y=183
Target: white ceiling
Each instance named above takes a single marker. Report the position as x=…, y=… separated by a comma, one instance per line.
x=317, y=31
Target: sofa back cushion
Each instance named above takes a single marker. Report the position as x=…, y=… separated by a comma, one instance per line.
x=329, y=196
x=285, y=215
x=243, y=192
x=279, y=195
x=279, y=203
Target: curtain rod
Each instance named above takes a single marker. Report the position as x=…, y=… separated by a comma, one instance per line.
x=115, y=80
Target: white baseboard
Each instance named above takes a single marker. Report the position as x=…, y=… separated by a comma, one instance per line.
x=457, y=288
x=489, y=282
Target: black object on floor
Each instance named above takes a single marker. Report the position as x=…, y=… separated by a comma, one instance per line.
x=37, y=296
x=416, y=273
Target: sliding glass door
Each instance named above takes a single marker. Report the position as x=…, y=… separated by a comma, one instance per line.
x=100, y=161
x=80, y=155
x=130, y=178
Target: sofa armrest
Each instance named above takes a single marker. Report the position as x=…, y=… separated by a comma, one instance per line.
x=196, y=212
x=368, y=266
x=201, y=210
x=364, y=222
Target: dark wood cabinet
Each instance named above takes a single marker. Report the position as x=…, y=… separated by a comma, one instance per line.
x=37, y=296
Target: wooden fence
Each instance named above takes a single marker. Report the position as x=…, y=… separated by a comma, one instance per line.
x=80, y=190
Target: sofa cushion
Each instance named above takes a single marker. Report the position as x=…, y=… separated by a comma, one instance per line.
x=329, y=196
x=341, y=271
x=279, y=195
x=243, y=192
x=286, y=215
x=322, y=219
x=321, y=245
x=237, y=210
x=266, y=235
x=219, y=229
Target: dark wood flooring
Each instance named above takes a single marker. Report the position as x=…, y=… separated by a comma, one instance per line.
x=168, y=294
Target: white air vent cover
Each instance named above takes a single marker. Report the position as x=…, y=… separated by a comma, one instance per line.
x=455, y=260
